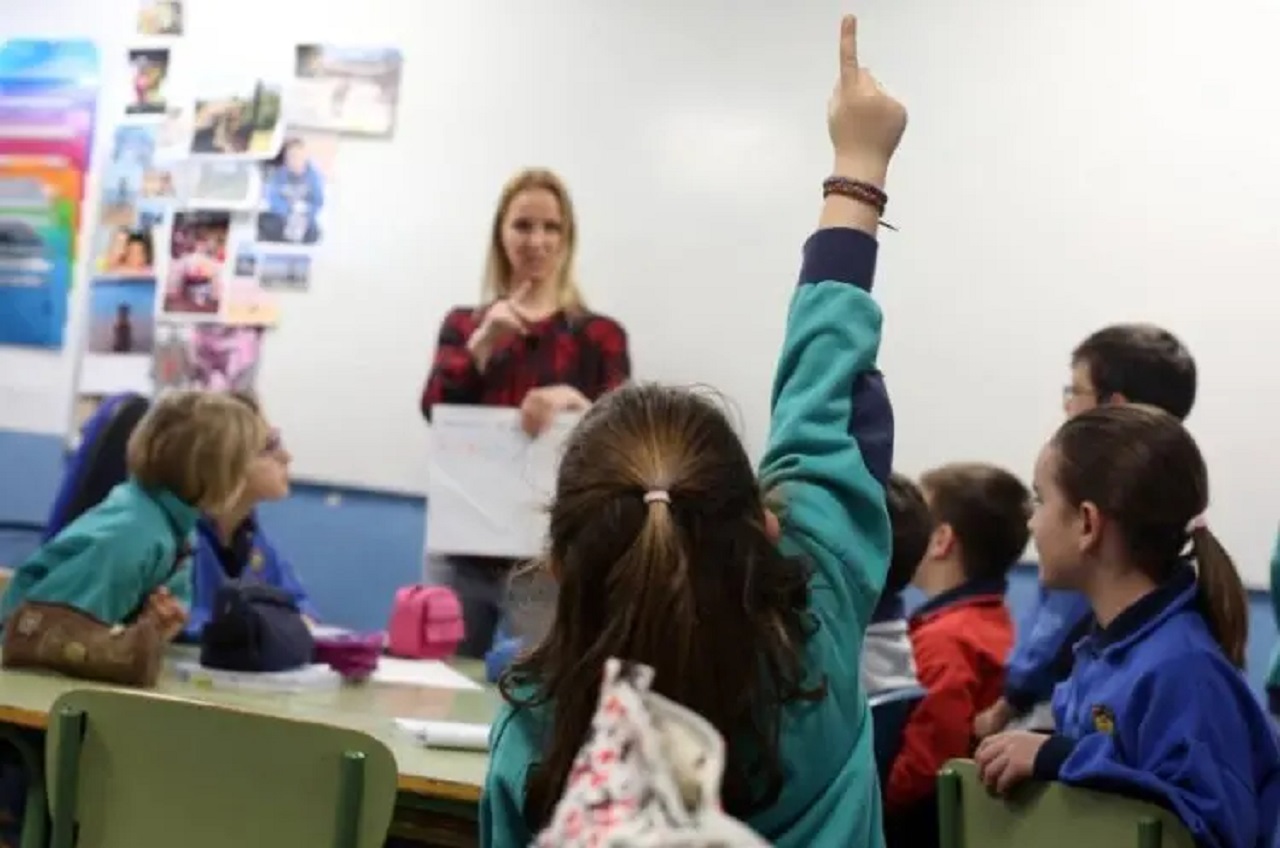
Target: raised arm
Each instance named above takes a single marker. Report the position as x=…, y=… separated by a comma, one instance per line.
x=831, y=437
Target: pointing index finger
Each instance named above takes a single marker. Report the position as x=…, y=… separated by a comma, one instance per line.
x=848, y=47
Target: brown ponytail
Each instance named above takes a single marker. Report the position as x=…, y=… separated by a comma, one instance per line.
x=659, y=546
x=1223, y=600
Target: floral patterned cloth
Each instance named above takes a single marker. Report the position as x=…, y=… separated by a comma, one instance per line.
x=648, y=776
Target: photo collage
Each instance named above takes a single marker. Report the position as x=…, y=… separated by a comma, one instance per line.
x=214, y=201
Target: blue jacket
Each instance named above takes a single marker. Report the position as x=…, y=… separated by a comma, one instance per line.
x=257, y=559
x=829, y=450
x=110, y=559
x=1273, y=675
x=1042, y=654
x=1155, y=710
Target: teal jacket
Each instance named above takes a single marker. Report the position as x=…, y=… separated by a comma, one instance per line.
x=112, y=557
x=828, y=454
x=1273, y=677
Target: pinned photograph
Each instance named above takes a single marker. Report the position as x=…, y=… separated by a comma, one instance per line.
x=211, y=357
x=149, y=71
x=124, y=252
x=350, y=90
x=159, y=17
x=238, y=120
x=198, y=249
x=294, y=188
x=122, y=315
x=290, y=271
x=222, y=184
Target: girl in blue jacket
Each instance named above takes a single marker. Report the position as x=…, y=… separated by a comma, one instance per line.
x=232, y=546
x=1156, y=705
x=666, y=555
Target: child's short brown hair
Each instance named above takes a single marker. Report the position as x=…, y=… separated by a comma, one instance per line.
x=197, y=445
x=912, y=525
x=987, y=509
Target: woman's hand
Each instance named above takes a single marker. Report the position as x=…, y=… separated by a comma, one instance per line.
x=864, y=122
x=540, y=406
x=1007, y=759
x=502, y=320
x=993, y=719
x=167, y=612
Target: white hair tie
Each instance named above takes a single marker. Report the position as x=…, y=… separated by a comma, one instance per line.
x=654, y=495
x=1200, y=522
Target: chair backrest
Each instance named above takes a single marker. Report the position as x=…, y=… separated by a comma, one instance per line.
x=137, y=770
x=889, y=714
x=98, y=464
x=1047, y=815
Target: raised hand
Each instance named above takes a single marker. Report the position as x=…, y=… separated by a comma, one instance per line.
x=865, y=122
x=502, y=320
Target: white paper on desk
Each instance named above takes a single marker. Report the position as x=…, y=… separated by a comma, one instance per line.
x=431, y=674
x=490, y=484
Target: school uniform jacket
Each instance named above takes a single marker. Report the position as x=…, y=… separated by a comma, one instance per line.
x=110, y=559
x=249, y=557
x=1155, y=710
x=961, y=639
x=1043, y=652
x=829, y=450
x=888, y=663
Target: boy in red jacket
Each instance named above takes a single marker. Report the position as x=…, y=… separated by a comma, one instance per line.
x=962, y=636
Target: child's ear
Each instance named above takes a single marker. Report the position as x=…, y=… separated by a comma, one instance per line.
x=772, y=527
x=941, y=542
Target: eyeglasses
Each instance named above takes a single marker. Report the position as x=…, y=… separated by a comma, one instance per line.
x=274, y=443
x=1071, y=391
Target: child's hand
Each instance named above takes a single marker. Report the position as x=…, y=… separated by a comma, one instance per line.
x=865, y=123
x=167, y=612
x=1007, y=759
x=993, y=719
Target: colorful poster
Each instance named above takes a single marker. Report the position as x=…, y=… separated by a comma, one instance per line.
x=349, y=90
x=48, y=93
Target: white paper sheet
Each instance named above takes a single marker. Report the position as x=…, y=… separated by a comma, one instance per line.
x=490, y=484
x=429, y=673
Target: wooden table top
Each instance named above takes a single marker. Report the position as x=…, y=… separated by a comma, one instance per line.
x=372, y=707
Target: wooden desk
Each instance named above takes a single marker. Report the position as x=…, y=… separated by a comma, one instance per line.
x=448, y=776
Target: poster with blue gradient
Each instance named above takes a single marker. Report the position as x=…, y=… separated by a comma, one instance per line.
x=48, y=94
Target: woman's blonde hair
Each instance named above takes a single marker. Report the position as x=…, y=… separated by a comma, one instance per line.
x=497, y=268
x=197, y=445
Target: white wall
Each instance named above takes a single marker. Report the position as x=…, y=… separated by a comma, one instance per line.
x=1067, y=165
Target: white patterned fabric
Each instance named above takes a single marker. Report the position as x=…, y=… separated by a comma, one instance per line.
x=648, y=776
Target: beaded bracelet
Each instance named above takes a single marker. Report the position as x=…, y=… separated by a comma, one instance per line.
x=863, y=192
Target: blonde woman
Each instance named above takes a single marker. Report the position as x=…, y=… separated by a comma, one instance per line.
x=532, y=344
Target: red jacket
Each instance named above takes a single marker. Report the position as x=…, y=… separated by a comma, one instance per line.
x=960, y=639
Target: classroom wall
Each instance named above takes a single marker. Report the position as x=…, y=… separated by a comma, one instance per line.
x=354, y=548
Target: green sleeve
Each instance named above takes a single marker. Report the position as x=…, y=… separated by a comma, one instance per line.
x=831, y=424
x=1275, y=579
x=107, y=578
x=502, y=823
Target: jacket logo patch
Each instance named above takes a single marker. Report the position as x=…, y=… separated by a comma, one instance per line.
x=1104, y=720
x=256, y=560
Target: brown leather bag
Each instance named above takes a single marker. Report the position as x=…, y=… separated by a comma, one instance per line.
x=62, y=638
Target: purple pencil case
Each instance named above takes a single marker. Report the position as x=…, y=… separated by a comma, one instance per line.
x=353, y=655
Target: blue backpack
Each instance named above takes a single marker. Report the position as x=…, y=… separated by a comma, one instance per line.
x=99, y=464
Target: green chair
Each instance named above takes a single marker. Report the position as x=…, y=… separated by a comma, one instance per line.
x=1047, y=815
x=136, y=770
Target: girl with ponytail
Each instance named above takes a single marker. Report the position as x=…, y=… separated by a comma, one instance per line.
x=1157, y=704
